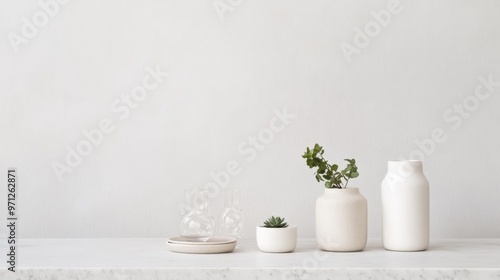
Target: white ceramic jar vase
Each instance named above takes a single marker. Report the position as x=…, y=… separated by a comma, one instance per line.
x=341, y=220
x=405, y=207
x=276, y=240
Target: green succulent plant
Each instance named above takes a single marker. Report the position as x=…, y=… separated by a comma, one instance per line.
x=275, y=222
x=329, y=172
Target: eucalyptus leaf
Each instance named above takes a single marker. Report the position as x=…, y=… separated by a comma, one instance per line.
x=334, y=178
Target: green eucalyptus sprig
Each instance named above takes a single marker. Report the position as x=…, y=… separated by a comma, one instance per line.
x=275, y=222
x=329, y=172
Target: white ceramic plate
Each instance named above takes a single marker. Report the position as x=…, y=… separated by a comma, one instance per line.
x=214, y=240
x=201, y=249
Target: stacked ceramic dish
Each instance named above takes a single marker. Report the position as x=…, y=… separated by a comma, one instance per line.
x=214, y=245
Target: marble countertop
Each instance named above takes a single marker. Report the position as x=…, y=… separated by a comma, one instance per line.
x=130, y=259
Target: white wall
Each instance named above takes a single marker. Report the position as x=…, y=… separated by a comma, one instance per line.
x=226, y=78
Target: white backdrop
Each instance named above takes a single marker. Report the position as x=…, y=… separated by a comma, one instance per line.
x=365, y=80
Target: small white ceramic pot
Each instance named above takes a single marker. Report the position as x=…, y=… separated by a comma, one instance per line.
x=277, y=240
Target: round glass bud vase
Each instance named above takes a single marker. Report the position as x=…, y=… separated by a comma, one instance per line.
x=231, y=218
x=197, y=224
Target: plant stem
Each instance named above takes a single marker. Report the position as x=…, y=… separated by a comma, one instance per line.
x=326, y=162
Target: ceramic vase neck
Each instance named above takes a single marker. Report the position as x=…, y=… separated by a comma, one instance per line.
x=405, y=167
x=346, y=191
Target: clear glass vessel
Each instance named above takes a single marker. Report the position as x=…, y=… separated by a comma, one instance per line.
x=197, y=224
x=231, y=218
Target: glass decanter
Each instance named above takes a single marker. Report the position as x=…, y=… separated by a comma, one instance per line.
x=197, y=224
x=231, y=219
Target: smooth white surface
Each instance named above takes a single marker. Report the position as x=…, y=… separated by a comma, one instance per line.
x=226, y=77
x=341, y=220
x=405, y=207
x=196, y=248
x=136, y=258
x=276, y=240
x=212, y=241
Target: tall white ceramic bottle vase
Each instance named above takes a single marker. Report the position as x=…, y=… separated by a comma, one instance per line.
x=405, y=207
